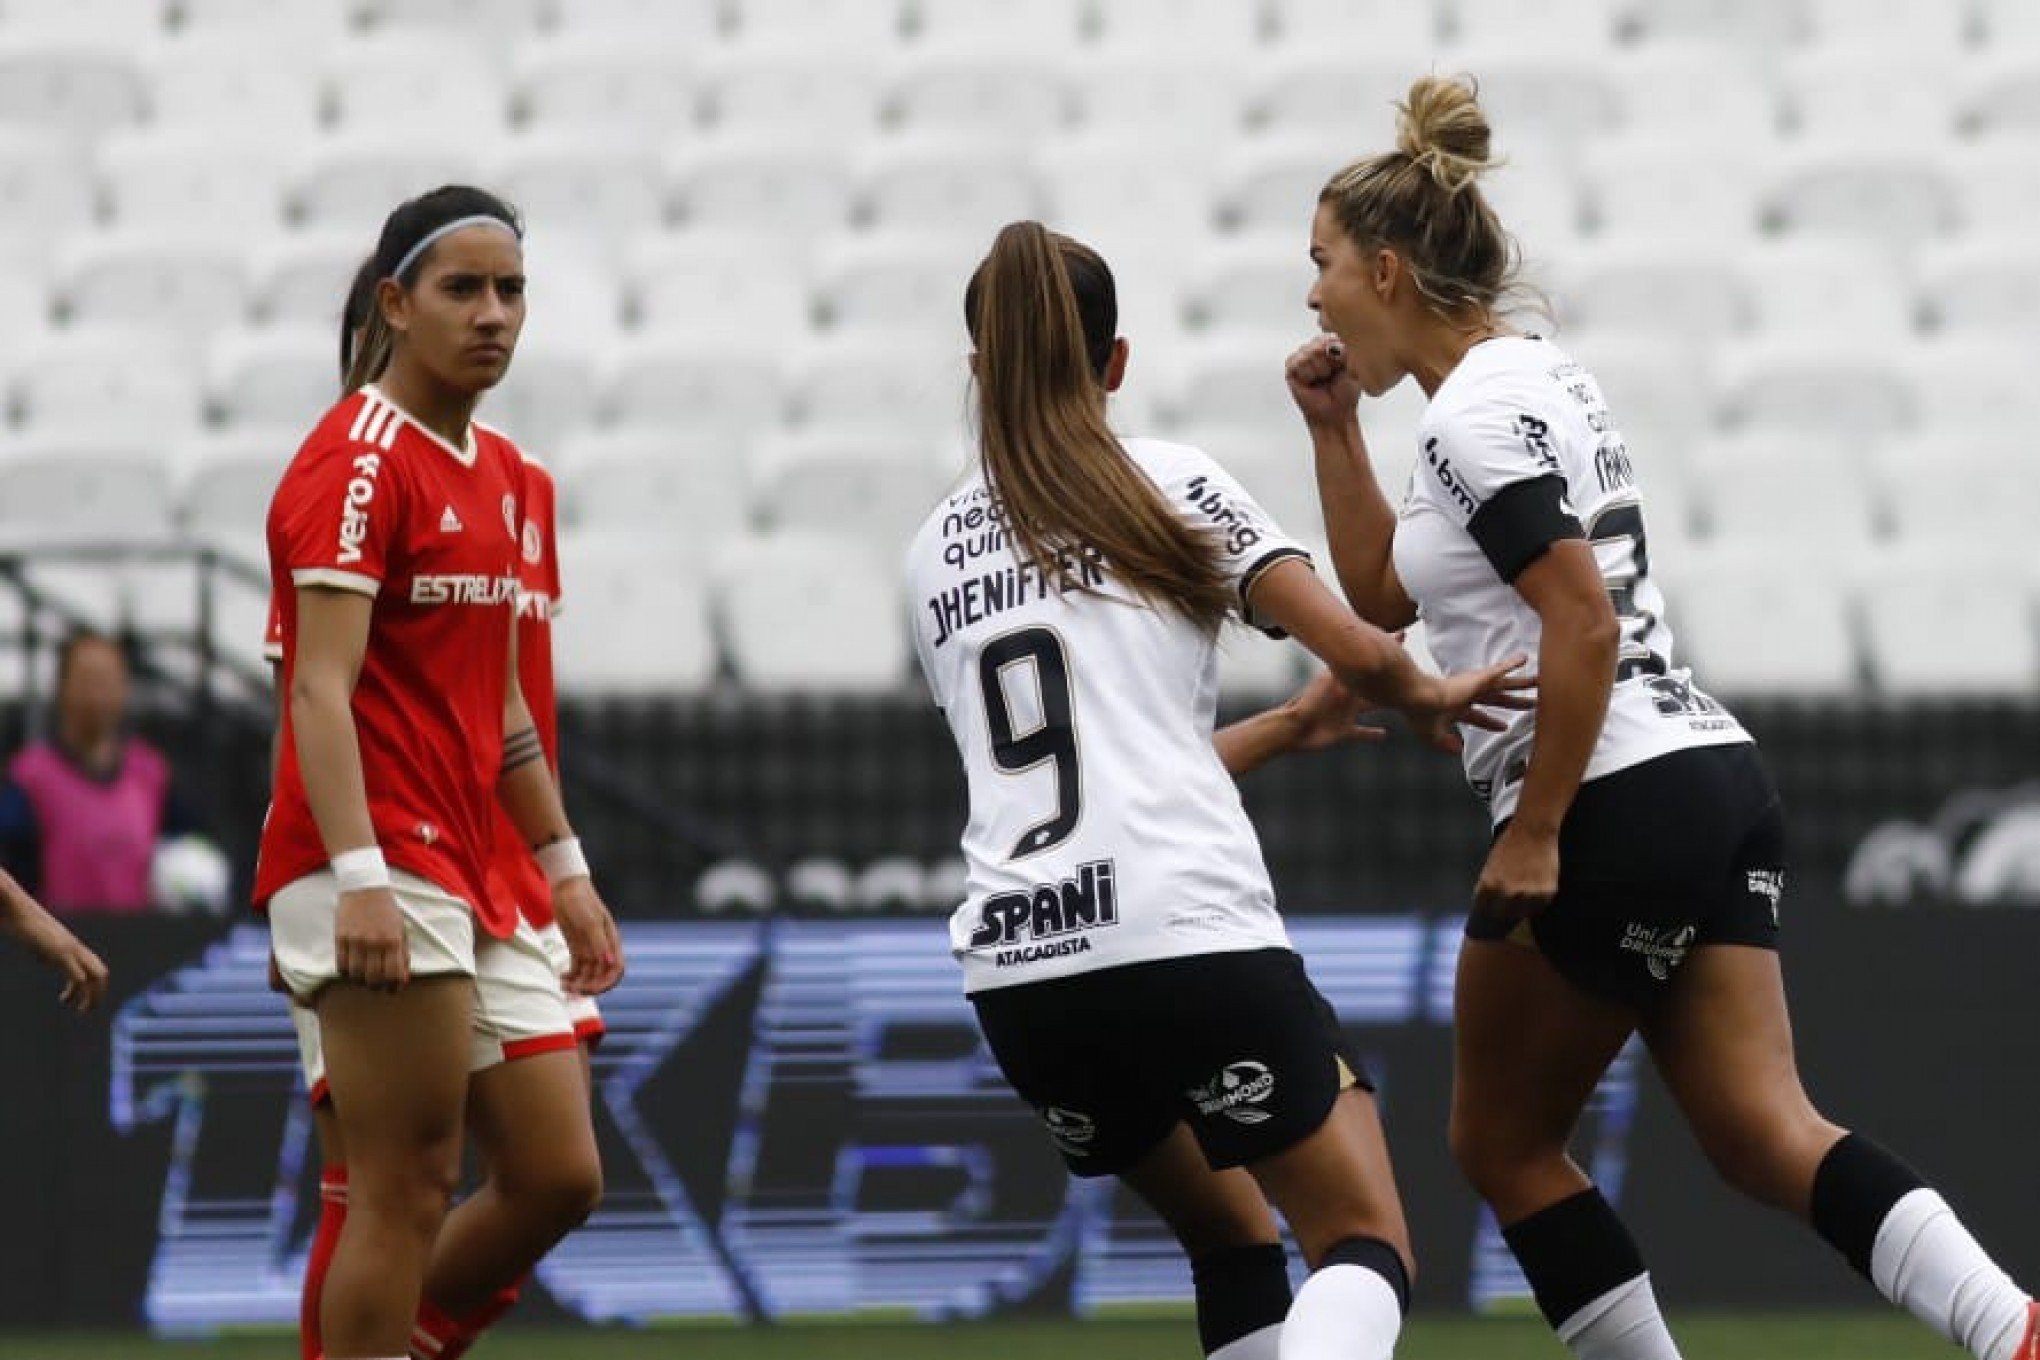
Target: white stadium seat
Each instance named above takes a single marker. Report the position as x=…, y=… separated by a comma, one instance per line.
x=1050, y=27
x=1813, y=286
x=1307, y=91
x=780, y=189
x=1684, y=285
x=1870, y=93
x=261, y=22
x=1236, y=379
x=1108, y=180
x=850, y=29
x=42, y=194
x=691, y=23
x=403, y=80
x=996, y=96
x=878, y=486
x=78, y=488
x=2003, y=97
x=888, y=281
x=1257, y=282
x=1162, y=102
x=1886, y=194
x=693, y=382
x=633, y=618
x=1967, y=483
x=1823, y=508
x=1385, y=26
x=965, y=185
x=799, y=96
x=1768, y=622
x=707, y=282
x=910, y=385
x=234, y=80
x=1953, y=618
x=303, y=278
x=2008, y=26
x=1971, y=378
x=1272, y=184
x=112, y=382
x=187, y=181
x=349, y=183
x=1980, y=286
x=1756, y=25
x=1586, y=27
x=122, y=21
x=549, y=392
x=1857, y=390
x=1998, y=184
x=1562, y=96
x=600, y=189
x=618, y=84
x=1179, y=27
x=226, y=481
x=496, y=23
x=1657, y=383
x=1706, y=90
x=1924, y=28
x=77, y=88
x=192, y=286
x=1664, y=183
x=688, y=490
x=274, y=377
x=811, y=611
x=1536, y=194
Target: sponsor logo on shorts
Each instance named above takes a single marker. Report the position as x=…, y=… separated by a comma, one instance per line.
x=1237, y=1092
x=1768, y=884
x=1071, y=1130
x=1663, y=948
x=1049, y=920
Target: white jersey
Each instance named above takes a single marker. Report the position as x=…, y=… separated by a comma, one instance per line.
x=1516, y=449
x=1103, y=828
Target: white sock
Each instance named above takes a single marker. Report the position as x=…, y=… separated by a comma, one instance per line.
x=1264, y=1344
x=1623, y=1324
x=1343, y=1312
x=1926, y=1262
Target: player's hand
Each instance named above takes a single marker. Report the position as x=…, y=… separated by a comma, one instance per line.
x=368, y=940
x=84, y=975
x=1324, y=714
x=1463, y=697
x=1320, y=384
x=1520, y=877
x=592, y=939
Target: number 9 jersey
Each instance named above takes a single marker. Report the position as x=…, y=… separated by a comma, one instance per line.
x=1516, y=451
x=1103, y=828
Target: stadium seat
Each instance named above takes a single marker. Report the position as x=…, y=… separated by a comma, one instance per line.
x=851, y=29
x=1179, y=27
x=574, y=297
x=888, y=281
x=43, y=197
x=192, y=286
x=1113, y=181
x=78, y=488
x=1583, y=27
x=783, y=190
x=77, y=89
x=909, y=385
x=2002, y=98
x=963, y=184
x=1958, y=379
x=1684, y=285
x=1960, y=483
x=497, y=24
x=682, y=23
x=1763, y=622
x=549, y=392
x=131, y=24
x=1331, y=98
x=25, y=301
x=302, y=278
x=1818, y=507
x=1856, y=390
x=1561, y=96
x=1705, y=90
x=235, y=80
x=599, y=189
x=106, y=382
x=226, y=481
x=1870, y=94
x=1236, y=378
x=811, y=611
x=1980, y=286
x=260, y=22
x=1923, y=28
x=1814, y=286
x=1162, y=102
x=799, y=97
x=702, y=385
x=880, y=487
x=1886, y=194
x=392, y=80
x=185, y=181
x=1385, y=26
x=350, y=182
x=706, y=282
x=608, y=83
x=1259, y=282
x=994, y=96
x=1998, y=184
x=684, y=488
x=1048, y=27
x=1654, y=184
x=274, y=377
x=1954, y=618
x=1656, y=382
x=1759, y=26
x=2008, y=26
x=1536, y=194
x=1272, y=184
x=633, y=619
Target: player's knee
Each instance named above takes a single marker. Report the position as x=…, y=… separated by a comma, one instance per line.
x=410, y=1196
x=1491, y=1155
x=1764, y=1152
x=557, y=1195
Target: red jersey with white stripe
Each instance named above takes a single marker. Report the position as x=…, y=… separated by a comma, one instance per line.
x=375, y=503
x=517, y=874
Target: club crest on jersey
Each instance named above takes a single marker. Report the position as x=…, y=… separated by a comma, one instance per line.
x=534, y=544
x=510, y=517
x=1048, y=920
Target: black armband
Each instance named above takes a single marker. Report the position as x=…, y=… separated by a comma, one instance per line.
x=1520, y=521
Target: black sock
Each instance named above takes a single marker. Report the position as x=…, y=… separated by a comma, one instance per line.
x=1853, y=1192
x=1371, y=1253
x=1240, y=1290
x=1572, y=1253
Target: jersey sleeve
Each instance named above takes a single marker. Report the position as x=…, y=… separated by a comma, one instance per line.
x=1250, y=542
x=272, y=631
x=335, y=517
x=1499, y=473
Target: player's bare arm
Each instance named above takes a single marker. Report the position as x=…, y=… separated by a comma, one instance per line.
x=28, y=921
x=1321, y=715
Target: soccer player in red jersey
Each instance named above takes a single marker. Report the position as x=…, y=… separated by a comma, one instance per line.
x=395, y=542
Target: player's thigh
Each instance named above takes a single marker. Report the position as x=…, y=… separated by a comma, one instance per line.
x=1338, y=1182
x=530, y=1122
x=1528, y=1047
x=1207, y=1210
x=397, y=1065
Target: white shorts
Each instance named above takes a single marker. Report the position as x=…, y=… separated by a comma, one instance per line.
x=519, y=1007
x=582, y=1010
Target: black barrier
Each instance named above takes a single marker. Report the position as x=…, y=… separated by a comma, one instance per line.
x=805, y=1102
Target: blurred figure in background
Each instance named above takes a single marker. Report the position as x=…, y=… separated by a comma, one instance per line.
x=85, y=812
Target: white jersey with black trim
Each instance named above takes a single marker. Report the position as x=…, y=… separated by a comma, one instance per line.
x=1518, y=417
x=1103, y=828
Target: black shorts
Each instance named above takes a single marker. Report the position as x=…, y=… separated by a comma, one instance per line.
x=1655, y=860
x=1239, y=1045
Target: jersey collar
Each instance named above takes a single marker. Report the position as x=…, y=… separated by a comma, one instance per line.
x=464, y=455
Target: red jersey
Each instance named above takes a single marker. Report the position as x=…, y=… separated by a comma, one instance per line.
x=374, y=502
x=516, y=875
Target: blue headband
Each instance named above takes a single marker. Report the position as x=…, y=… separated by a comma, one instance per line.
x=457, y=224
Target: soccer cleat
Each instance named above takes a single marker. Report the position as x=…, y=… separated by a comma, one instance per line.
x=2029, y=1346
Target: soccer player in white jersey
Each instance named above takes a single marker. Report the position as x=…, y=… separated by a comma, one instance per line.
x=1634, y=880
x=1119, y=937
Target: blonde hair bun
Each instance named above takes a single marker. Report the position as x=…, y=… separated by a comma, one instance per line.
x=1440, y=126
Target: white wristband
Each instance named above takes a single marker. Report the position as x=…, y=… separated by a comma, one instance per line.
x=562, y=860
x=360, y=870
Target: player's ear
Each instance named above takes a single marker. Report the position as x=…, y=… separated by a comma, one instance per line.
x=1115, y=366
x=393, y=300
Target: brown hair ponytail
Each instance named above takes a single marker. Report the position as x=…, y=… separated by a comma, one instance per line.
x=1042, y=314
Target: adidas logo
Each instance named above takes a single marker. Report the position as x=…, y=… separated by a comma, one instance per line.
x=449, y=523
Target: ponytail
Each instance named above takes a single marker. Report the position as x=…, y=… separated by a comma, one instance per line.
x=364, y=335
x=1043, y=317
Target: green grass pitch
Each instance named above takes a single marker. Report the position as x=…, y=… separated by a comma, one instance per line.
x=1852, y=1336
